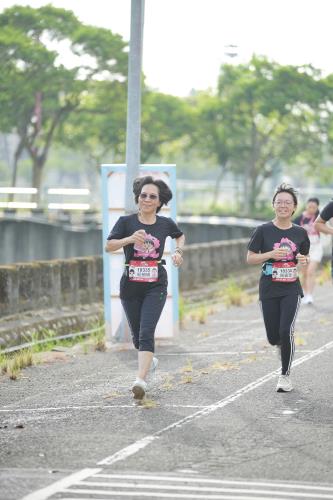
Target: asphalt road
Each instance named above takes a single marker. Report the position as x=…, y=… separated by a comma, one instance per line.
x=213, y=428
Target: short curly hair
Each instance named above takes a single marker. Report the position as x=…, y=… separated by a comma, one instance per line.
x=164, y=191
x=286, y=188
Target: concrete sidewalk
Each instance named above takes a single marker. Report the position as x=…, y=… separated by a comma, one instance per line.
x=212, y=414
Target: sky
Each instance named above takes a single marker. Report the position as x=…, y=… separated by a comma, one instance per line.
x=186, y=41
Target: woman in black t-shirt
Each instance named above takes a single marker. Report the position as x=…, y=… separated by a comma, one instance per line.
x=279, y=245
x=143, y=286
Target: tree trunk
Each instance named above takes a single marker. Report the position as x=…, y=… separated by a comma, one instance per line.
x=218, y=185
x=37, y=171
x=17, y=155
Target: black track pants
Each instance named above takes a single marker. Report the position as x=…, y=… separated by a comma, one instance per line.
x=279, y=317
x=143, y=313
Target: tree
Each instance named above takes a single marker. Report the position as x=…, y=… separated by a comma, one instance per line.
x=38, y=91
x=165, y=118
x=98, y=128
x=265, y=115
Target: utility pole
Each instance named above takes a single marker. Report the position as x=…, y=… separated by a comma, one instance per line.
x=133, y=129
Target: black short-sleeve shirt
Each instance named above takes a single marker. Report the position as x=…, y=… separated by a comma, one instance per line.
x=152, y=249
x=266, y=238
x=326, y=214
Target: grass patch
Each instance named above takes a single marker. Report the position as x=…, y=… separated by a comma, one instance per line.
x=204, y=334
x=233, y=294
x=168, y=383
x=324, y=275
x=12, y=364
x=186, y=379
x=299, y=341
x=148, y=404
x=200, y=314
x=226, y=366
x=113, y=395
x=188, y=368
x=181, y=310
x=98, y=340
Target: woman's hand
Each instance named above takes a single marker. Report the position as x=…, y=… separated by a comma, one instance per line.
x=279, y=253
x=138, y=238
x=302, y=259
x=177, y=258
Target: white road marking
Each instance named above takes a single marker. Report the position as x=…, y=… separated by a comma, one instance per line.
x=89, y=407
x=141, y=494
x=265, y=484
x=132, y=449
x=199, y=489
x=224, y=494
x=142, y=443
x=60, y=485
x=210, y=353
x=226, y=332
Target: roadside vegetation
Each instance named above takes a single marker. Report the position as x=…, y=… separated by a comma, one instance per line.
x=12, y=363
x=201, y=303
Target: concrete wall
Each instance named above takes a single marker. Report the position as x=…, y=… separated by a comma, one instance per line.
x=56, y=283
x=210, y=229
x=25, y=240
x=67, y=295
x=50, y=284
x=207, y=262
x=28, y=240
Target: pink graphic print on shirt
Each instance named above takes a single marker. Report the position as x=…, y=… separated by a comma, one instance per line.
x=287, y=245
x=148, y=248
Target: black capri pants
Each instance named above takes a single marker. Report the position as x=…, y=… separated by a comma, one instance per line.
x=143, y=310
x=279, y=317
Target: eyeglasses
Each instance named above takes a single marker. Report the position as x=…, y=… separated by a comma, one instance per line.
x=283, y=203
x=144, y=196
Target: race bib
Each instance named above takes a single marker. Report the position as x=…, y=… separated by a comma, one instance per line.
x=284, y=271
x=143, y=271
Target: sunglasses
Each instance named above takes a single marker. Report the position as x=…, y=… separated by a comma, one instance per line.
x=283, y=203
x=144, y=196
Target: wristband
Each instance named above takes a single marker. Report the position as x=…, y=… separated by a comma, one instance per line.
x=179, y=250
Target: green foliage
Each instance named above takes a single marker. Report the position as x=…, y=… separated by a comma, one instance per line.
x=32, y=66
x=165, y=119
x=264, y=116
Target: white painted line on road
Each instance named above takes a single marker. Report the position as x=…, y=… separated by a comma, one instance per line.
x=231, y=330
x=186, y=479
x=199, y=489
x=135, y=447
x=210, y=353
x=89, y=407
x=142, y=443
x=233, y=321
x=66, y=482
x=224, y=496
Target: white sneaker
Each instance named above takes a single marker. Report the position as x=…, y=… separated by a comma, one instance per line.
x=139, y=388
x=305, y=299
x=310, y=299
x=284, y=384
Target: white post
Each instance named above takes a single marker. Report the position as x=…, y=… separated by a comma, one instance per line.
x=133, y=130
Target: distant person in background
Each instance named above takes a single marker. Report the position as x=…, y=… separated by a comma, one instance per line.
x=308, y=274
x=320, y=224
